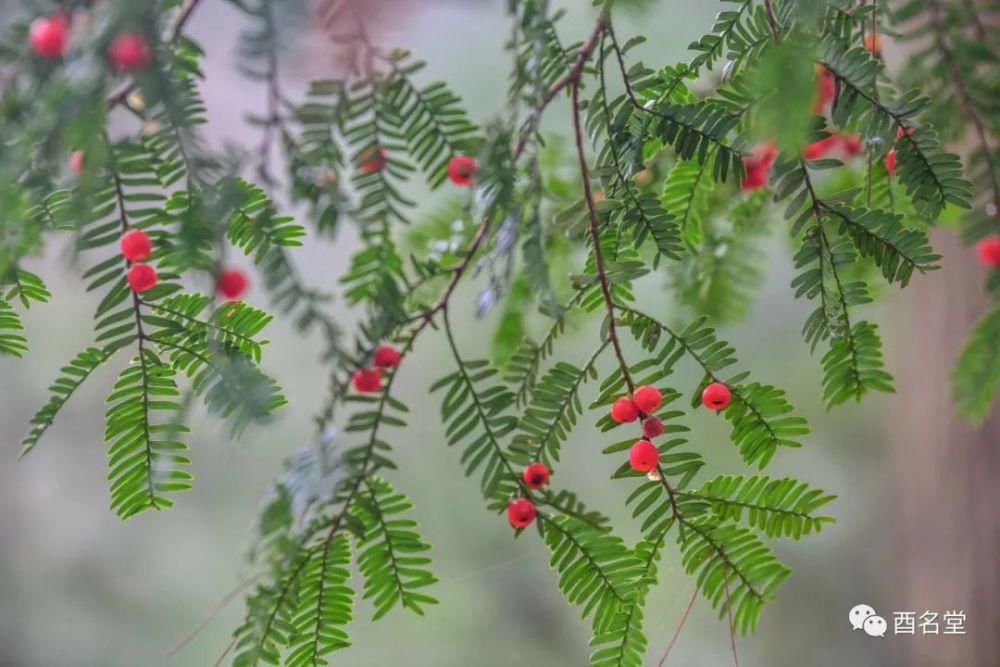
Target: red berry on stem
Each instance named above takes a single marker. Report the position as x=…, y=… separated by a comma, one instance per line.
x=48, y=36
x=373, y=160
x=521, y=512
x=461, y=169
x=716, y=396
x=386, y=356
x=129, y=52
x=76, y=161
x=652, y=427
x=135, y=245
x=821, y=147
x=644, y=456
x=890, y=161
x=826, y=89
x=232, y=284
x=141, y=277
x=367, y=380
x=536, y=475
x=758, y=166
x=624, y=410
x=647, y=398
x=851, y=143
x=989, y=251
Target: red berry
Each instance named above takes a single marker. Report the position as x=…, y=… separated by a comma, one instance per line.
x=135, y=245
x=624, y=410
x=129, y=52
x=644, y=456
x=647, y=398
x=76, y=161
x=373, y=160
x=873, y=43
x=821, y=147
x=652, y=427
x=367, y=380
x=826, y=89
x=386, y=356
x=903, y=130
x=232, y=284
x=536, y=475
x=851, y=143
x=141, y=277
x=461, y=169
x=890, y=161
x=716, y=396
x=521, y=512
x=758, y=166
x=989, y=251
x=48, y=36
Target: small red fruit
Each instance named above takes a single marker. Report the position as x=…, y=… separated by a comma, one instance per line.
x=135, y=245
x=716, y=396
x=373, y=160
x=758, y=166
x=647, y=398
x=652, y=427
x=851, y=143
x=129, y=52
x=386, y=356
x=826, y=89
x=48, y=36
x=873, y=43
x=141, y=277
x=890, y=161
x=989, y=251
x=536, y=475
x=624, y=410
x=232, y=284
x=367, y=380
x=461, y=169
x=644, y=456
x=821, y=147
x=76, y=161
x=521, y=512
x=901, y=131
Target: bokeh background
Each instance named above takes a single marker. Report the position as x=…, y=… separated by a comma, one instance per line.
x=916, y=523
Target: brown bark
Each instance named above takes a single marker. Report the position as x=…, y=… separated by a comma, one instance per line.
x=947, y=472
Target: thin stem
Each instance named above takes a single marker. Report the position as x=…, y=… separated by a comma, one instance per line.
x=771, y=20
x=680, y=626
x=595, y=236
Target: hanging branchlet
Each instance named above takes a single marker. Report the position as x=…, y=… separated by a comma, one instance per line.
x=677, y=173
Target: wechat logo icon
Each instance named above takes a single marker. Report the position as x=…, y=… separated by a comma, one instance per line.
x=863, y=617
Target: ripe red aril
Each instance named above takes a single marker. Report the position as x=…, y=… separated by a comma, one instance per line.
x=521, y=512
x=536, y=475
x=644, y=456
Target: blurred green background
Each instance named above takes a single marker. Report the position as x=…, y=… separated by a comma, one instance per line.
x=78, y=588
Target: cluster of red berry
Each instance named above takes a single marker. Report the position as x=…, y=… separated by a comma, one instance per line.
x=49, y=37
x=136, y=246
x=643, y=456
x=461, y=168
x=369, y=379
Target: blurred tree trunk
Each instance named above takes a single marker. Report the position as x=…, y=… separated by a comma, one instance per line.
x=947, y=472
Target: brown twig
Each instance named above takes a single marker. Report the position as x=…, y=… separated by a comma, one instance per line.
x=771, y=20
x=680, y=626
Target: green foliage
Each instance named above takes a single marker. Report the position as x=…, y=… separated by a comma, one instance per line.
x=71, y=377
x=146, y=460
x=390, y=558
x=666, y=161
x=976, y=378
